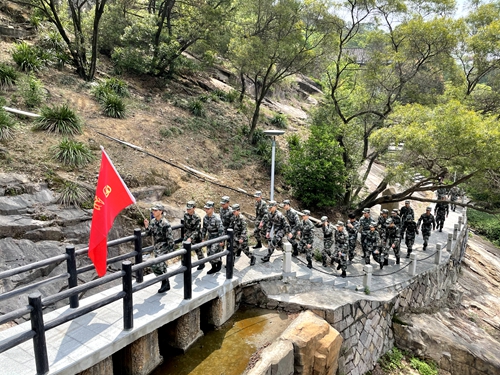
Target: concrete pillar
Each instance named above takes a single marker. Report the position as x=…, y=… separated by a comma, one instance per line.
x=140, y=357
x=437, y=259
x=460, y=218
x=449, y=243
x=455, y=232
x=222, y=308
x=412, y=269
x=105, y=367
x=184, y=331
x=287, y=259
x=367, y=278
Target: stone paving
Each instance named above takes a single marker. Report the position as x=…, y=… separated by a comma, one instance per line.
x=85, y=341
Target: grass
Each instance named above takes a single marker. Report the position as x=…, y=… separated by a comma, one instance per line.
x=73, y=195
x=27, y=57
x=423, y=368
x=7, y=125
x=196, y=107
x=392, y=360
x=32, y=91
x=279, y=121
x=485, y=224
x=73, y=153
x=113, y=106
x=59, y=119
x=8, y=76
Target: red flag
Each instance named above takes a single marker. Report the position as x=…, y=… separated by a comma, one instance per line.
x=112, y=196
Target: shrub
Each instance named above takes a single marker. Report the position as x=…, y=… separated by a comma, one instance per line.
x=31, y=90
x=232, y=95
x=8, y=76
x=118, y=86
x=73, y=153
x=27, y=57
x=392, y=359
x=196, y=107
x=279, y=121
x=113, y=106
x=59, y=119
x=73, y=194
x=7, y=125
x=422, y=367
x=485, y=224
x=55, y=49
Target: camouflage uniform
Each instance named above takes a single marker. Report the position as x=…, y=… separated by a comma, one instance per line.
x=352, y=229
x=306, y=238
x=277, y=228
x=396, y=219
x=341, y=248
x=260, y=213
x=404, y=213
x=382, y=227
x=411, y=232
x=393, y=238
x=328, y=230
x=373, y=243
x=161, y=230
x=294, y=222
x=364, y=228
x=192, y=228
x=428, y=223
x=239, y=225
x=213, y=226
x=454, y=194
x=441, y=211
x=226, y=215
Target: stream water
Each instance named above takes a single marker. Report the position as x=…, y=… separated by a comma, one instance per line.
x=227, y=350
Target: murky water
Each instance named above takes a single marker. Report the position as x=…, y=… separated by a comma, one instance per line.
x=226, y=351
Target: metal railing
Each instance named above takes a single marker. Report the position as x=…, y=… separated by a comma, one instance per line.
x=36, y=303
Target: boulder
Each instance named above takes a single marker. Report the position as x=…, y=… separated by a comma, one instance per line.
x=276, y=359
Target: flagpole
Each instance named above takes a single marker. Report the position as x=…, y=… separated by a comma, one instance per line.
x=138, y=209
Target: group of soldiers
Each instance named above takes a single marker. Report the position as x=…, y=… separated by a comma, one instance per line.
x=378, y=238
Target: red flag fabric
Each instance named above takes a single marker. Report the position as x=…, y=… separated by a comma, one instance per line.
x=112, y=196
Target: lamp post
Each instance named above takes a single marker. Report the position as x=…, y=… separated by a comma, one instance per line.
x=273, y=134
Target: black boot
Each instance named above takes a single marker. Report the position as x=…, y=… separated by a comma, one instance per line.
x=238, y=253
x=295, y=254
x=343, y=274
x=258, y=246
x=252, y=260
x=408, y=254
x=213, y=269
x=332, y=260
x=165, y=286
x=324, y=262
x=386, y=262
x=265, y=259
x=309, y=264
x=381, y=265
x=201, y=266
x=397, y=260
x=339, y=266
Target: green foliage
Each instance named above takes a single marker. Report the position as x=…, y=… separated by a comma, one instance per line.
x=7, y=125
x=32, y=91
x=73, y=153
x=55, y=51
x=316, y=171
x=171, y=132
x=239, y=157
x=110, y=95
x=366, y=290
x=196, y=107
x=59, y=119
x=392, y=360
x=423, y=367
x=113, y=106
x=317, y=255
x=72, y=194
x=111, y=28
x=28, y=58
x=8, y=76
x=279, y=121
x=485, y=224
x=118, y=86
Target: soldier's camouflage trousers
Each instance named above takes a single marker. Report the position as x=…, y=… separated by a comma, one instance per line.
x=440, y=221
x=364, y=247
x=199, y=251
x=342, y=260
x=409, y=241
x=395, y=249
x=426, y=233
x=259, y=233
x=160, y=268
x=327, y=246
x=276, y=241
x=238, y=248
x=214, y=249
x=352, y=247
x=378, y=255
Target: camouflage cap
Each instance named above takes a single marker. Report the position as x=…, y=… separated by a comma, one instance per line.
x=340, y=223
x=407, y=202
x=190, y=204
x=306, y=212
x=389, y=221
x=209, y=204
x=385, y=211
x=366, y=210
x=351, y=215
x=235, y=207
x=373, y=224
x=286, y=201
x=257, y=194
x=271, y=204
x=224, y=199
x=395, y=211
x=428, y=208
x=324, y=218
x=409, y=218
x=157, y=206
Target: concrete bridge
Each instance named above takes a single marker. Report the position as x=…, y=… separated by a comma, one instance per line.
x=89, y=343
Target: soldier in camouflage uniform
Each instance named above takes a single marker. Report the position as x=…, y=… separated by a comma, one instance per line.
x=352, y=229
x=260, y=213
x=225, y=212
x=454, y=194
x=192, y=229
x=161, y=230
x=396, y=219
x=306, y=234
x=294, y=222
x=240, y=237
x=277, y=228
x=441, y=211
x=373, y=244
x=393, y=241
x=341, y=247
x=441, y=191
x=328, y=231
x=382, y=226
x=404, y=212
x=411, y=232
x=212, y=225
x=364, y=228
x=428, y=223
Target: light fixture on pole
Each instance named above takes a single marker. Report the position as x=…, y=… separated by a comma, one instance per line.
x=273, y=134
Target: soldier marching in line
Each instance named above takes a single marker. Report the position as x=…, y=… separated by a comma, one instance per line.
x=163, y=238
x=225, y=212
x=240, y=237
x=373, y=244
x=294, y=222
x=341, y=247
x=306, y=234
x=411, y=232
x=260, y=213
x=352, y=229
x=405, y=212
x=364, y=228
x=212, y=225
x=382, y=225
x=428, y=224
x=442, y=191
x=192, y=229
x=396, y=219
x=454, y=194
x=328, y=230
x=277, y=228
x=441, y=211
x=393, y=241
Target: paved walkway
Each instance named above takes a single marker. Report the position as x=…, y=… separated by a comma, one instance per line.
x=83, y=342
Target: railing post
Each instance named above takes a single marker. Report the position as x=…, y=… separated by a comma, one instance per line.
x=412, y=269
x=139, y=274
x=455, y=232
x=73, y=276
x=437, y=259
x=186, y=262
x=367, y=278
x=449, y=243
x=460, y=218
x=37, y=325
x=183, y=231
x=287, y=259
x=230, y=256
x=128, y=305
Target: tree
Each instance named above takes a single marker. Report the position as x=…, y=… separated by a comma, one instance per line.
x=273, y=40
